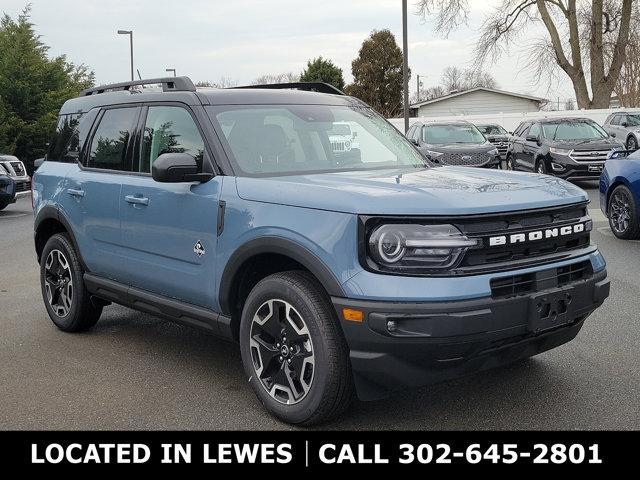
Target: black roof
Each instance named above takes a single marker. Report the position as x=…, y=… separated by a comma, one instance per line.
x=135, y=92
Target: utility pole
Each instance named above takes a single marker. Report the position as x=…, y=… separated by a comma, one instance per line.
x=418, y=87
x=405, y=66
x=130, y=33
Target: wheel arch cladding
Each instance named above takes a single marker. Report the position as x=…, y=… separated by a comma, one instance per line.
x=48, y=222
x=280, y=254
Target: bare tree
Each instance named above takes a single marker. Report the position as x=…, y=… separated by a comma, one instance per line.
x=627, y=88
x=567, y=24
x=286, y=77
x=454, y=78
x=224, y=82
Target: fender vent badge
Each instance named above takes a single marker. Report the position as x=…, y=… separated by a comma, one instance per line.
x=198, y=249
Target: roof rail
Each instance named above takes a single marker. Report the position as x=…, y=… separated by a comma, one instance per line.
x=169, y=84
x=319, y=87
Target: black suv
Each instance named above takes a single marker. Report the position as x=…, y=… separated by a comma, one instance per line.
x=454, y=143
x=569, y=148
x=497, y=135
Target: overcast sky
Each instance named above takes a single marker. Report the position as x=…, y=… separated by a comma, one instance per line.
x=242, y=39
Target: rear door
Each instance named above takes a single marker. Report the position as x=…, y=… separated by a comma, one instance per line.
x=170, y=229
x=92, y=191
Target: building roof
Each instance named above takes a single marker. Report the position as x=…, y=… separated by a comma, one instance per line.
x=464, y=92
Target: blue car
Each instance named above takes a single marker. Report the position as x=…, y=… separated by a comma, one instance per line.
x=620, y=193
x=230, y=210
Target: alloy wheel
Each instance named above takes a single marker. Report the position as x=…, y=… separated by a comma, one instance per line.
x=620, y=212
x=282, y=351
x=58, y=283
x=632, y=143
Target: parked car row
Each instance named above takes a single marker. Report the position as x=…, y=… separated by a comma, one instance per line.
x=568, y=148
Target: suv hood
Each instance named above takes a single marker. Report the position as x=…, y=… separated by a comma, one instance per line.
x=595, y=144
x=432, y=191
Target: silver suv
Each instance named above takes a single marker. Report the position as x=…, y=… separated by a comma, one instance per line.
x=625, y=126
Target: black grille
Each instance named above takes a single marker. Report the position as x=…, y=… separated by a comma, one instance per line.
x=542, y=280
x=486, y=256
x=23, y=186
x=464, y=159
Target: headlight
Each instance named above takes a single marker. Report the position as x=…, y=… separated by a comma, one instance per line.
x=560, y=151
x=433, y=154
x=409, y=247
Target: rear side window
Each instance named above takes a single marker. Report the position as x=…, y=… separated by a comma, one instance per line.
x=169, y=130
x=615, y=120
x=65, y=138
x=111, y=139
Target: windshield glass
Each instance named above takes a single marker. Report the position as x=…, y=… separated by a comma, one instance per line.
x=492, y=129
x=443, y=134
x=573, y=131
x=340, y=129
x=288, y=139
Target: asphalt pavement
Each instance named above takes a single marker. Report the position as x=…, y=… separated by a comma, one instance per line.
x=135, y=371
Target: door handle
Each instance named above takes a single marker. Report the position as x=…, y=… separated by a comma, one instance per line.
x=136, y=200
x=75, y=192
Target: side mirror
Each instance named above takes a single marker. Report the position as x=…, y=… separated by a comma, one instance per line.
x=613, y=135
x=415, y=142
x=37, y=162
x=177, y=168
x=624, y=124
x=532, y=138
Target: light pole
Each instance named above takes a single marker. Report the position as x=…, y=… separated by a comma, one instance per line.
x=418, y=85
x=405, y=66
x=171, y=70
x=130, y=33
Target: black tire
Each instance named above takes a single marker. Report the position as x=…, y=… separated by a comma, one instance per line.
x=3, y=205
x=623, y=214
x=331, y=386
x=541, y=167
x=81, y=313
x=632, y=143
x=510, y=165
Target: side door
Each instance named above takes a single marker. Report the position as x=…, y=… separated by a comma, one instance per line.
x=517, y=144
x=170, y=229
x=530, y=146
x=92, y=190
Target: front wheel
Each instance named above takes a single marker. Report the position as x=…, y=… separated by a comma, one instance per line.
x=623, y=214
x=293, y=350
x=541, y=167
x=510, y=162
x=632, y=143
x=65, y=297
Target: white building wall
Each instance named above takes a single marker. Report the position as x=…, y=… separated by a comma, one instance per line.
x=478, y=102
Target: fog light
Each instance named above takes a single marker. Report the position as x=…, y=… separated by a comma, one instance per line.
x=556, y=167
x=392, y=326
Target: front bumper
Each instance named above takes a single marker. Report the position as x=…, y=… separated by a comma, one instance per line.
x=409, y=344
x=574, y=170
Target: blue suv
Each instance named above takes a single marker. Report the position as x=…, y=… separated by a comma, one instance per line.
x=230, y=210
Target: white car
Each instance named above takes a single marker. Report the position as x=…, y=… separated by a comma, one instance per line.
x=15, y=169
x=342, y=138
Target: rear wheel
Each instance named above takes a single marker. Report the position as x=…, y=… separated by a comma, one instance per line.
x=65, y=297
x=293, y=350
x=623, y=214
x=632, y=143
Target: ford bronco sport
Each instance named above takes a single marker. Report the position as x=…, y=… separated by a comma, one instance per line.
x=229, y=210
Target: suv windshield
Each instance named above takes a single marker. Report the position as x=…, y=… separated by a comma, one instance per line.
x=443, y=134
x=492, y=129
x=580, y=130
x=288, y=139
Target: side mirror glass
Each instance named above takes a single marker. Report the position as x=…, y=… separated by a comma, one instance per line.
x=612, y=135
x=532, y=138
x=177, y=168
x=624, y=124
